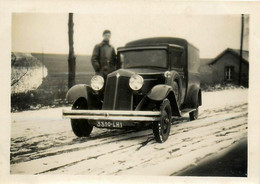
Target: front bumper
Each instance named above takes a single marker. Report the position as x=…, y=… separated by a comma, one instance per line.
x=113, y=115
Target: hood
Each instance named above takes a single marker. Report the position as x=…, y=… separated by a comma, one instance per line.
x=118, y=94
x=141, y=71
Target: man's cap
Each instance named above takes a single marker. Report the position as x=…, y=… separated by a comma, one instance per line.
x=106, y=31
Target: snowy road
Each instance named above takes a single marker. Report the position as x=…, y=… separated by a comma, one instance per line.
x=43, y=143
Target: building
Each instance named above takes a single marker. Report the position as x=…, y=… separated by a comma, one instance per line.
x=225, y=68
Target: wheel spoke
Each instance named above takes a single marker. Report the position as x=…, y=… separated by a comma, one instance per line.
x=162, y=128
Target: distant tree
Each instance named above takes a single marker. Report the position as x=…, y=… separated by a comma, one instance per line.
x=72, y=58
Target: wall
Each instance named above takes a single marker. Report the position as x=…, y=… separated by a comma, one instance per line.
x=215, y=74
x=218, y=69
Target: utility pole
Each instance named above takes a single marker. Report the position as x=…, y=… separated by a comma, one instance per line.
x=71, y=59
x=241, y=49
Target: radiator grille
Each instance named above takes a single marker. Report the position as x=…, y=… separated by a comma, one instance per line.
x=109, y=93
x=118, y=95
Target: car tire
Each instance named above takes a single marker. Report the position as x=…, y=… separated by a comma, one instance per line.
x=194, y=114
x=161, y=129
x=81, y=127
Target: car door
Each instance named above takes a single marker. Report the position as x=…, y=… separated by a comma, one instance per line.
x=177, y=63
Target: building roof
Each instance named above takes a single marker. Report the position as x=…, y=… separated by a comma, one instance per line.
x=235, y=52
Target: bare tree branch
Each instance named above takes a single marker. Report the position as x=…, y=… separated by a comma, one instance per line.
x=17, y=80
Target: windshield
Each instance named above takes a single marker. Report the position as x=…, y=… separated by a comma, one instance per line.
x=144, y=58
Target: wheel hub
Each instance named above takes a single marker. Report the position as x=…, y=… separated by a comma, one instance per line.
x=165, y=123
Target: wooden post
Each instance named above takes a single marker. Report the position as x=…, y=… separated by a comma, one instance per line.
x=241, y=49
x=71, y=59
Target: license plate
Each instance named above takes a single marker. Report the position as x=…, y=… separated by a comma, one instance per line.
x=109, y=124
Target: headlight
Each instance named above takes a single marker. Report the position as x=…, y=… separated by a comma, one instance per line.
x=167, y=74
x=97, y=82
x=136, y=82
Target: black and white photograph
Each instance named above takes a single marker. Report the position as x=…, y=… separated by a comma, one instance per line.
x=159, y=97
x=130, y=94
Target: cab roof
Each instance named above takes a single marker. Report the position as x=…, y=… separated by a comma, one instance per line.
x=158, y=41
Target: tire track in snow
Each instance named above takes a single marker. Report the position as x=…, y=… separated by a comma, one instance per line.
x=37, y=150
x=112, y=144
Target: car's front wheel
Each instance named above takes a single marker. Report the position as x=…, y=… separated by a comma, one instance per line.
x=81, y=127
x=161, y=129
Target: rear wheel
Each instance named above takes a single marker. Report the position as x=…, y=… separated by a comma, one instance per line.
x=81, y=127
x=161, y=129
x=194, y=114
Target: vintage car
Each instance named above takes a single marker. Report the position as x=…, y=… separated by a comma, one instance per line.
x=158, y=79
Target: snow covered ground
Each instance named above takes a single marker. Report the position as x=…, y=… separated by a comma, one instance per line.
x=42, y=142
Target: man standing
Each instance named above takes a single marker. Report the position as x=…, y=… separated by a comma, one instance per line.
x=104, y=57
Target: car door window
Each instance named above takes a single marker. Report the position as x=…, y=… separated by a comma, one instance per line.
x=176, y=59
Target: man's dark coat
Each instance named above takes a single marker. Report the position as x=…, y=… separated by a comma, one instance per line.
x=104, y=59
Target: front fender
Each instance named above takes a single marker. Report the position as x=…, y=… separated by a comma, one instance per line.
x=80, y=91
x=77, y=91
x=160, y=92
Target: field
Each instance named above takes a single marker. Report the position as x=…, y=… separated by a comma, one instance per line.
x=57, y=66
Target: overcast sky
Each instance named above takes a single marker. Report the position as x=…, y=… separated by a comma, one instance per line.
x=49, y=32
